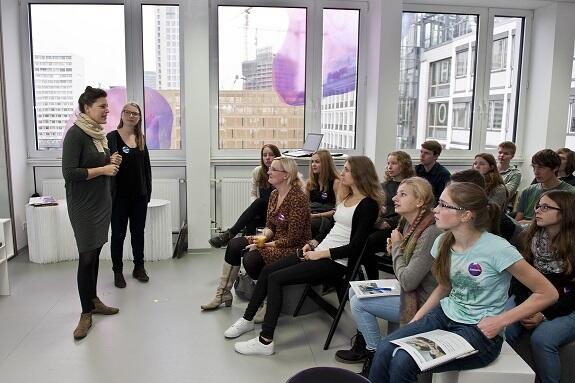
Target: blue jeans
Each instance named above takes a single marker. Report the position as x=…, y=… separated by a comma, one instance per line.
x=545, y=342
x=401, y=367
x=366, y=311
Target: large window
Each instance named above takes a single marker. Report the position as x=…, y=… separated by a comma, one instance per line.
x=339, y=77
x=570, y=138
x=161, y=51
x=262, y=67
x=431, y=43
x=65, y=61
x=437, y=104
x=276, y=82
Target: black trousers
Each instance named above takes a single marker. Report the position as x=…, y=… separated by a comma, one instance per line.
x=253, y=217
x=124, y=209
x=288, y=271
x=87, y=278
x=253, y=260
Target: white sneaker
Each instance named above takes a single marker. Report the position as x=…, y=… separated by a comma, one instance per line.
x=240, y=327
x=254, y=347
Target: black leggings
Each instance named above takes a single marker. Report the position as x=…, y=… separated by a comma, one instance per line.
x=253, y=260
x=88, y=278
x=135, y=210
x=376, y=242
x=253, y=217
x=288, y=271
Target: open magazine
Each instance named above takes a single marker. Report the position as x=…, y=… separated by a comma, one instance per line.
x=433, y=348
x=375, y=288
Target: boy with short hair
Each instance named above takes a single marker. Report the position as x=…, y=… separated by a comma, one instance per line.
x=510, y=174
x=545, y=165
x=437, y=175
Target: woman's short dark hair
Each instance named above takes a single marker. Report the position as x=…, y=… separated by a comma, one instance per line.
x=89, y=97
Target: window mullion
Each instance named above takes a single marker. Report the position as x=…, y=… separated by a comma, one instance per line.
x=482, y=74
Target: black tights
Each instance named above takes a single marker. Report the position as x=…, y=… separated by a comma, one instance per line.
x=253, y=260
x=253, y=217
x=88, y=278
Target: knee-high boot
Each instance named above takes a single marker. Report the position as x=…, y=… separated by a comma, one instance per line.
x=223, y=292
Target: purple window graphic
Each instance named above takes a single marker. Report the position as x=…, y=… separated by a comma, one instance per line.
x=158, y=119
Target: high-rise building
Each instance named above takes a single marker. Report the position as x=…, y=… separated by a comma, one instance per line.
x=257, y=74
x=150, y=79
x=58, y=80
x=167, y=48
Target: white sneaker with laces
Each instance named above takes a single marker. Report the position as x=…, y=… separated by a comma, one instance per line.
x=254, y=347
x=240, y=327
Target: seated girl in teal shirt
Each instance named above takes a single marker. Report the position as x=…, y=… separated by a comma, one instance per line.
x=473, y=269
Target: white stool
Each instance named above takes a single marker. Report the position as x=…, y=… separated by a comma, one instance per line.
x=508, y=367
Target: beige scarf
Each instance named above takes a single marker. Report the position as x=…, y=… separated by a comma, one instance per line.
x=94, y=130
x=409, y=300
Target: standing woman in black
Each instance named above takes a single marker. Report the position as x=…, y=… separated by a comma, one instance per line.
x=87, y=167
x=131, y=192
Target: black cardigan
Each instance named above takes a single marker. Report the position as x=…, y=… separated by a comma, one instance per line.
x=362, y=222
x=113, y=145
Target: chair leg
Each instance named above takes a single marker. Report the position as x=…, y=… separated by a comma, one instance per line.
x=336, y=319
x=302, y=300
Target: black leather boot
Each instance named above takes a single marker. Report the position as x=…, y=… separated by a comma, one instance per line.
x=357, y=352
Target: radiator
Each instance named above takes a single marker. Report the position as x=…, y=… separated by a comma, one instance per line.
x=168, y=189
x=235, y=199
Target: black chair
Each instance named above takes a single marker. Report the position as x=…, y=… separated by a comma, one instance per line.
x=342, y=293
x=327, y=375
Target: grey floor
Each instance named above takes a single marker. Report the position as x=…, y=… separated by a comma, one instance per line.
x=160, y=334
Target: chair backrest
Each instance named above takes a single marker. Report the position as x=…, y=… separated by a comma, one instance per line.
x=327, y=375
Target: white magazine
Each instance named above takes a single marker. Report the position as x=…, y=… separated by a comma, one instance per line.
x=433, y=348
x=375, y=288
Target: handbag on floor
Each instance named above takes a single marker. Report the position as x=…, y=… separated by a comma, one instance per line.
x=244, y=286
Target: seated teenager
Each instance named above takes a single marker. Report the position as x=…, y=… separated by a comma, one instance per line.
x=410, y=245
x=549, y=245
x=321, y=187
x=508, y=228
x=399, y=167
x=255, y=215
x=495, y=188
x=330, y=261
x=287, y=229
x=510, y=174
x=545, y=164
x=567, y=166
x=473, y=269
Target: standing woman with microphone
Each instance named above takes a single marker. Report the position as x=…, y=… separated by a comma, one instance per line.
x=131, y=192
x=87, y=167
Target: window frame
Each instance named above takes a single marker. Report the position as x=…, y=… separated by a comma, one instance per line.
x=481, y=76
x=313, y=83
x=134, y=74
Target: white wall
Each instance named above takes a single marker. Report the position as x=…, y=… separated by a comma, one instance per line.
x=549, y=81
x=20, y=171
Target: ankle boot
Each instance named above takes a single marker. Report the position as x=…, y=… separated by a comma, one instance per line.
x=83, y=326
x=367, y=363
x=223, y=292
x=100, y=308
x=357, y=352
x=140, y=274
x=221, y=239
x=119, y=280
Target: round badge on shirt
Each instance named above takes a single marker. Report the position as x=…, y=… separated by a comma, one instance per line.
x=126, y=149
x=324, y=195
x=474, y=269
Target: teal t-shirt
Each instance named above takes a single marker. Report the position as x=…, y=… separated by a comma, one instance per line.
x=479, y=282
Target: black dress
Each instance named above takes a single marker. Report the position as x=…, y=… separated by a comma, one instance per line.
x=89, y=201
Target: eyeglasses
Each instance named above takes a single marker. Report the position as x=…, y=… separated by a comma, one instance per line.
x=443, y=205
x=544, y=207
x=131, y=114
x=277, y=170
